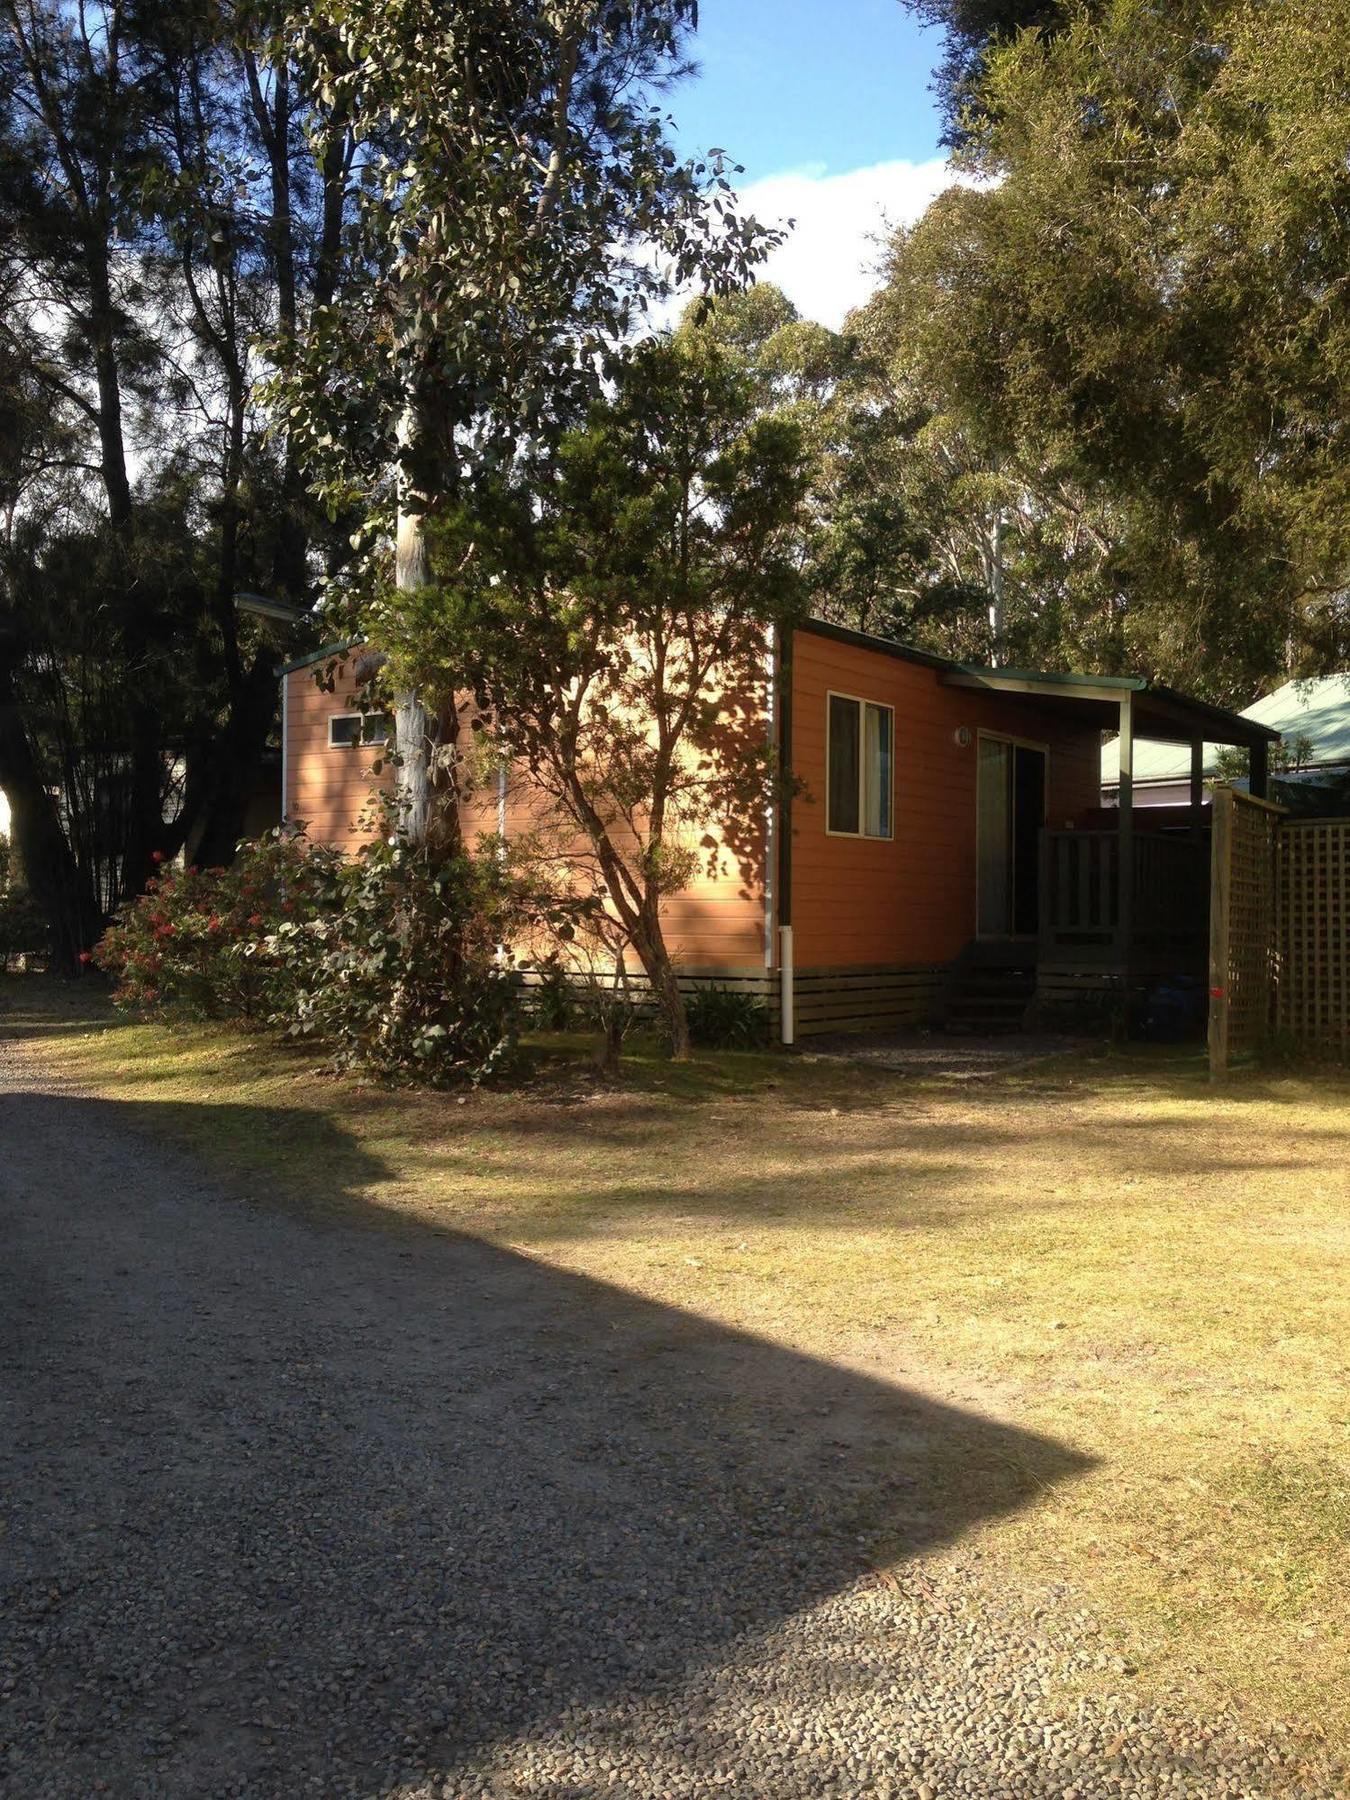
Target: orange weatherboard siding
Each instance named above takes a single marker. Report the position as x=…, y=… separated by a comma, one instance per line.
x=909, y=898
x=716, y=922
x=328, y=788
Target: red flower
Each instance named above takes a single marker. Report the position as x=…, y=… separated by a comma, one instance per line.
x=157, y=856
x=255, y=918
x=213, y=923
x=86, y=956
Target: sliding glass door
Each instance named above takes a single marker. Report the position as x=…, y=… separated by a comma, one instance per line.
x=1010, y=811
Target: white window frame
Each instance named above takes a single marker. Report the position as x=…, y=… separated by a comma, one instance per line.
x=361, y=741
x=868, y=837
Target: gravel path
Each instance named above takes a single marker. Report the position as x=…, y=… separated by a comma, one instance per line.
x=296, y=1508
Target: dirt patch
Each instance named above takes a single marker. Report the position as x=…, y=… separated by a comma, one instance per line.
x=944, y=1056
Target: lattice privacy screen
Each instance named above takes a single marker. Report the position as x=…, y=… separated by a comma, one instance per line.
x=1312, y=1003
x=1251, y=923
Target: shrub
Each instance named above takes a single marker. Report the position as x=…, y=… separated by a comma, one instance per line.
x=722, y=1019
x=199, y=941
x=390, y=960
x=553, y=1000
x=402, y=970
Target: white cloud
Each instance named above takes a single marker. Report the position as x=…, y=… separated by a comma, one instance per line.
x=828, y=263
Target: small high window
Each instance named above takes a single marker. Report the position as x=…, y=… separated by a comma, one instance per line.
x=346, y=730
x=860, y=735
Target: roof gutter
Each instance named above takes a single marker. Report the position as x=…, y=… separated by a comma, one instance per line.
x=314, y=656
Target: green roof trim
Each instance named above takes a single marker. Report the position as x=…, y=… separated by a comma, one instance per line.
x=320, y=655
x=1133, y=684
x=1316, y=708
x=1198, y=713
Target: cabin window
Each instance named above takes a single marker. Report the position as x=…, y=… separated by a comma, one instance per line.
x=346, y=730
x=859, y=735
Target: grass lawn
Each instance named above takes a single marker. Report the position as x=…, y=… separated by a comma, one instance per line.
x=1107, y=1251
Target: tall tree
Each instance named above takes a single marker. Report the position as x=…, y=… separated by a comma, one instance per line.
x=1137, y=323
x=521, y=209
x=168, y=192
x=902, y=521
x=609, y=603
x=972, y=30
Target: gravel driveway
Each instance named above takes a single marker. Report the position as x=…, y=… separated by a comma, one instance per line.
x=376, y=1509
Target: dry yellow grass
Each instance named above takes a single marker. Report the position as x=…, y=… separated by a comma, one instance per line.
x=1106, y=1251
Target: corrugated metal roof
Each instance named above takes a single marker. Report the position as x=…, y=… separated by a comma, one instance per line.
x=1318, y=710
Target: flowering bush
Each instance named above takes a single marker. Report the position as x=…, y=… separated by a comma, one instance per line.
x=393, y=961
x=197, y=940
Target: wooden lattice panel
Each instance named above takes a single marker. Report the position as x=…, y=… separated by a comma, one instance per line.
x=1313, y=1005
x=1251, y=924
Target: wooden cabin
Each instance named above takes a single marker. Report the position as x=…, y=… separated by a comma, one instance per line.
x=945, y=855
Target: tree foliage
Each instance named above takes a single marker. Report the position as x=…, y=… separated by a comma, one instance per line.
x=520, y=208
x=972, y=30
x=168, y=192
x=608, y=603
x=1131, y=342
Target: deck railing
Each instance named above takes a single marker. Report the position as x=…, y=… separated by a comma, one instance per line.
x=1080, y=898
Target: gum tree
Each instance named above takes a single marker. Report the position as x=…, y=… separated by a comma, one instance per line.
x=519, y=208
x=610, y=605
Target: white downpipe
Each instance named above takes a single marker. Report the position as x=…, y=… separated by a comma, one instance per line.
x=771, y=810
x=787, y=1004
x=285, y=744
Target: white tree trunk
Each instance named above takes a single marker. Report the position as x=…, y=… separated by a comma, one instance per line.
x=996, y=621
x=411, y=735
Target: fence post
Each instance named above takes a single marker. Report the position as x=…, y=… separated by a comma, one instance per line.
x=1220, y=895
x=1125, y=839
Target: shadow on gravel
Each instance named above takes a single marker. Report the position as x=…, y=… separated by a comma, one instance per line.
x=304, y=1508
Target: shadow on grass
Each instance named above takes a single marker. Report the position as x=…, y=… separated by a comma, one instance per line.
x=562, y=1154
x=291, y=1504
x=41, y=1006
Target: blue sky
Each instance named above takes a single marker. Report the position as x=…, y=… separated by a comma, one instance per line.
x=826, y=103
x=838, y=84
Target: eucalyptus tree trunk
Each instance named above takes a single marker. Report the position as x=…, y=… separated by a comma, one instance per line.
x=996, y=614
x=411, y=724
x=412, y=570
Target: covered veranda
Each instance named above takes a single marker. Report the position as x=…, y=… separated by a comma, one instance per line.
x=1123, y=892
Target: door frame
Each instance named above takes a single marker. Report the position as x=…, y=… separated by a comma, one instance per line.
x=1017, y=743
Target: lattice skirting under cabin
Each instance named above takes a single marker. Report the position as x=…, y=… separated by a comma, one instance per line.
x=875, y=997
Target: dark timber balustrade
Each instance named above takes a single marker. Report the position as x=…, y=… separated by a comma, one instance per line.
x=1083, y=922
